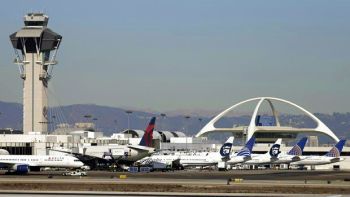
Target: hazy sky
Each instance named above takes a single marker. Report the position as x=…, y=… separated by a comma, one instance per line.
x=208, y=55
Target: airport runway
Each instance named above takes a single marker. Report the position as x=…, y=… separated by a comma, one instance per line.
x=186, y=182
x=204, y=175
x=138, y=194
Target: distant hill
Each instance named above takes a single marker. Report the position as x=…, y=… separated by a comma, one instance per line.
x=10, y=115
x=111, y=119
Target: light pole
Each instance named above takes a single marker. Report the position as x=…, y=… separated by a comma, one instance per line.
x=94, y=120
x=163, y=117
x=87, y=116
x=116, y=125
x=200, y=122
x=53, y=120
x=128, y=112
x=186, y=126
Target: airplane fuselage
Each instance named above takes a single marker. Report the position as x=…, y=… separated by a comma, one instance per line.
x=285, y=159
x=237, y=159
x=41, y=161
x=316, y=160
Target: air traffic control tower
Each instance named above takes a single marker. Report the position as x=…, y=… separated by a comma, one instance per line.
x=35, y=48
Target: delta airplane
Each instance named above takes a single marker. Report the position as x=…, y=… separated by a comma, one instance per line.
x=133, y=153
x=22, y=164
x=332, y=156
x=293, y=155
x=269, y=157
x=121, y=154
x=244, y=154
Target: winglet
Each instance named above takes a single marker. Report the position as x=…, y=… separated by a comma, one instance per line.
x=298, y=148
x=247, y=149
x=337, y=149
x=148, y=136
x=225, y=149
x=275, y=148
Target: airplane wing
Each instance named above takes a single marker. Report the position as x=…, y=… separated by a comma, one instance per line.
x=12, y=163
x=334, y=160
x=246, y=158
x=81, y=156
x=142, y=148
x=296, y=158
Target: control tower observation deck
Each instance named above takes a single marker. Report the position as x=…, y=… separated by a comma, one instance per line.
x=35, y=47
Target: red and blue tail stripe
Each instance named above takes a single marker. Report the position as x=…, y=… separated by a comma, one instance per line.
x=148, y=136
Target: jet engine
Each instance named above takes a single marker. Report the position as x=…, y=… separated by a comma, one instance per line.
x=20, y=168
x=4, y=152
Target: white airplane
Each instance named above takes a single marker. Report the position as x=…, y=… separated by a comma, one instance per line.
x=193, y=159
x=269, y=157
x=132, y=153
x=121, y=154
x=244, y=154
x=21, y=164
x=332, y=156
x=293, y=155
x=163, y=159
x=209, y=158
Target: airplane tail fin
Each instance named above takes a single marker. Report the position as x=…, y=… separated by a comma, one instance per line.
x=298, y=148
x=226, y=148
x=336, y=150
x=247, y=149
x=275, y=148
x=148, y=136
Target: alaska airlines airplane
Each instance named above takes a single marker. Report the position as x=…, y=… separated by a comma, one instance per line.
x=22, y=163
x=210, y=158
x=244, y=154
x=293, y=155
x=193, y=159
x=332, y=156
x=269, y=157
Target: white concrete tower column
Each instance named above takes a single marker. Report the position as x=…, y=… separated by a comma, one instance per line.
x=33, y=45
x=35, y=94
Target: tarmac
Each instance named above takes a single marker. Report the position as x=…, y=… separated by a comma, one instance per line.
x=180, y=183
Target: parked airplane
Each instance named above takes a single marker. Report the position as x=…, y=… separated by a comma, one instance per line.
x=210, y=158
x=133, y=153
x=244, y=154
x=121, y=154
x=332, y=156
x=293, y=155
x=162, y=159
x=269, y=157
x=193, y=159
x=22, y=164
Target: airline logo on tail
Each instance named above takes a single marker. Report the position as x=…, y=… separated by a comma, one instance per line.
x=298, y=149
x=275, y=148
x=148, y=136
x=225, y=149
x=247, y=149
x=336, y=150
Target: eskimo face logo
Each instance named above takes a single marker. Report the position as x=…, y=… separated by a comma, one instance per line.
x=275, y=150
x=225, y=149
